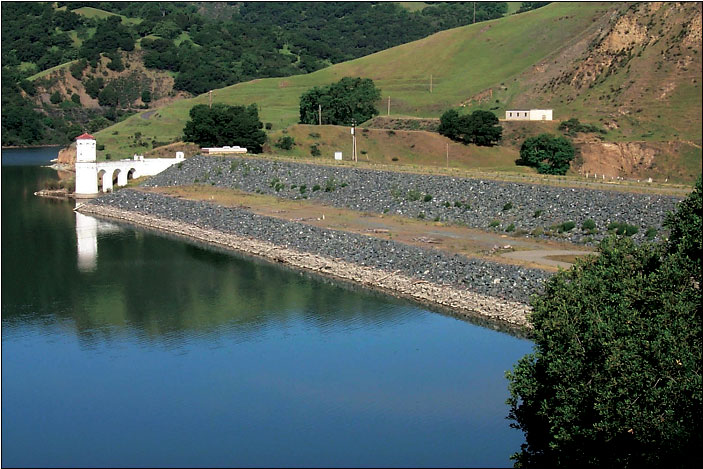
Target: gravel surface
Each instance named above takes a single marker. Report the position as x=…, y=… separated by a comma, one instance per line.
x=532, y=210
x=488, y=278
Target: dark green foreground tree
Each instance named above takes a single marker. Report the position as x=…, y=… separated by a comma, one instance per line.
x=615, y=378
x=225, y=125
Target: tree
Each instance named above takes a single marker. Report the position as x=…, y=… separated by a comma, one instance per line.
x=55, y=97
x=225, y=125
x=77, y=68
x=350, y=99
x=547, y=153
x=480, y=127
x=108, y=96
x=685, y=231
x=615, y=379
x=449, y=124
x=483, y=129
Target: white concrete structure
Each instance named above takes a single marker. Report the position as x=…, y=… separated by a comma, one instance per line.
x=226, y=150
x=92, y=176
x=528, y=115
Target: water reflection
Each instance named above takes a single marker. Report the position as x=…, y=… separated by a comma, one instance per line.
x=121, y=347
x=87, y=230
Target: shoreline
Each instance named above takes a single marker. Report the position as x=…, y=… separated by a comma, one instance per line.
x=461, y=302
x=46, y=145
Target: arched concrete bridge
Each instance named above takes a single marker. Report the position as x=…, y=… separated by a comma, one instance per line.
x=93, y=177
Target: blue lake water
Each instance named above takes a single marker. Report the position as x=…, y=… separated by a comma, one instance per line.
x=123, y=347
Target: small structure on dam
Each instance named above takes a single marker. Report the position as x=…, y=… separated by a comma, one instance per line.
x=92, y=177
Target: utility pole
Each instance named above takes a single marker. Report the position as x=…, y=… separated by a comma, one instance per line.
x=210, y=96
x=389, y=105
x=353, y=132
x=447, y=156
x=319, y=114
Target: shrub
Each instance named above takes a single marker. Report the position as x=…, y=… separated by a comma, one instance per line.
x=77, y=68
x=269, y=126
x=285, y=143
x=566, y=226
x=413, y=195
x=55, y=97
x=510, y=228
x=651, y=233
x=316, y=188
x=622, y=228
x=588, y=225
x=571, y=126
x=330, y=185
x=315, y=150
x=303, y=188
x=507, y=206
x=494, y=223
x=537, y=213
x=427, y=198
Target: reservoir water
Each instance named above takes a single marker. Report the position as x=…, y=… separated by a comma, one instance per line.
x=123, y=347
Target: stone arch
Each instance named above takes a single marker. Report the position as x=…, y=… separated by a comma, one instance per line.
x=116, y=176
x=99, y=174
x=132, y=174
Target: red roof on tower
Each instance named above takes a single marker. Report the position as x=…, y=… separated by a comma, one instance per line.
x=85, y=137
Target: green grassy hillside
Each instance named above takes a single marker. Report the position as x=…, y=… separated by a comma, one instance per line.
x=632, y=69
x=460, y=62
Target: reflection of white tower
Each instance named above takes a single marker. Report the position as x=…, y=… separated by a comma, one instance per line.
x=86, y=165
x=87, y=237
x=87, y=230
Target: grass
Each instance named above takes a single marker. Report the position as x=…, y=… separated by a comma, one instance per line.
x=462, y=61
x=513, y=7
x=90, y=12
x=414, y=6
x=497, y=54
x=51, y=70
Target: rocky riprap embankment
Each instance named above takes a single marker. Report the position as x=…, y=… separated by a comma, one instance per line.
x=436, y=267
x=534, y=210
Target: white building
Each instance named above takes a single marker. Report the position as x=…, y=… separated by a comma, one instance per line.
x=226, y=150
x=528, y=115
